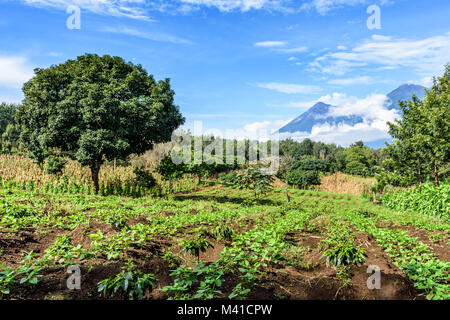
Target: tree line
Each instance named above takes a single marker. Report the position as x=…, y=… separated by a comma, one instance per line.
x=96, y=109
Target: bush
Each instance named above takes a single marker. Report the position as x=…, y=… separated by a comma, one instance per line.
x=229, y=178
x=356, y=168
x=144, y=178
x=130, y=282
x=303, y=179
x=254, y=179
x=55, y=165
x=311, y=165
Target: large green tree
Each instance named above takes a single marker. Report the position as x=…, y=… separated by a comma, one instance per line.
x=422, y=136
x=95, y=108
x=436, y=112
x=7, y=112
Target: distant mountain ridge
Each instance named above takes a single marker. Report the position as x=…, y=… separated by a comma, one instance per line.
x=319, y=113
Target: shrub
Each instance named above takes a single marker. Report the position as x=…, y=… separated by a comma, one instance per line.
x=345, y=254
x=356, y=168
x=303, y=179
x=55, y=165
x=196, y=245
x=144, y=178
x=254, y=179
x=130, y=281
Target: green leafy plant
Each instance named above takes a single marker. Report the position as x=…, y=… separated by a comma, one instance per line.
x=130, y=282
x=196, y=245
x=55, y=165
x=239, y=292
x=199, y=282
x=7, y=278
x=62, y=251
x=254, y=178
x=345, y=254
x=144, y=178
x=224, y=232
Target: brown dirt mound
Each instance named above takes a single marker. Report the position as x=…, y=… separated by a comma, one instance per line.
x=321, y=282
x=15, y=244
x=80, y=235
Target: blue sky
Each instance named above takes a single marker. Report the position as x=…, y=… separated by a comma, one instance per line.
x=241, y=64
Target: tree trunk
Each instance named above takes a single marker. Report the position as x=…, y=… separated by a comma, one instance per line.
x=95, y=169
x=436, y=175
x=288, y=199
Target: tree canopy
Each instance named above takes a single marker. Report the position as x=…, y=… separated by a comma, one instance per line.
x=95, y=108
x=422, y=137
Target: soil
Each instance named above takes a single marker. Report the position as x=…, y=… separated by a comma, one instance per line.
x=310, y=280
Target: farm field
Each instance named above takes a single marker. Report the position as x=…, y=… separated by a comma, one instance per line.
x=217, y=243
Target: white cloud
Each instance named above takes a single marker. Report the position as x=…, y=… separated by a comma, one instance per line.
x=15, y=70
x=337, y=99
x=241, y=5
x=343, y=134
x=134, y=9
x=293, y=50
x=351, y=81
x=270, y=44
x=425, y=81
x=292, y=59
x=425, y=56
x=372, y=109
x=261, y=131
x=341, y=47
x=145, y=35
x=295, y=104
x=324, y=6
x=290, y=88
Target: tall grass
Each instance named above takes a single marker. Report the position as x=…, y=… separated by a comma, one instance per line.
x=20, y=171
x=343, y=183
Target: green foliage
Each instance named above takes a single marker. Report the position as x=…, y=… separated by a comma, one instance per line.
x=199, y=282
x=96, y=108
x=27, y=272
x=360, y=160
x=224, y=232
x=63, y=252
x=239, y=292
x=230, y=178
x=426, y=199
x=253, y=178
x=196, y=245
x=7, y=280
x=130, y=282
x=345, y=254
x=10, y=137
x=310, y=164
x=7, y=114
x=144, y=178
x=55, y=165
x=356, y=168
x=430, y=276
x=169, y=170
x=421, y=146
x=303, y=179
